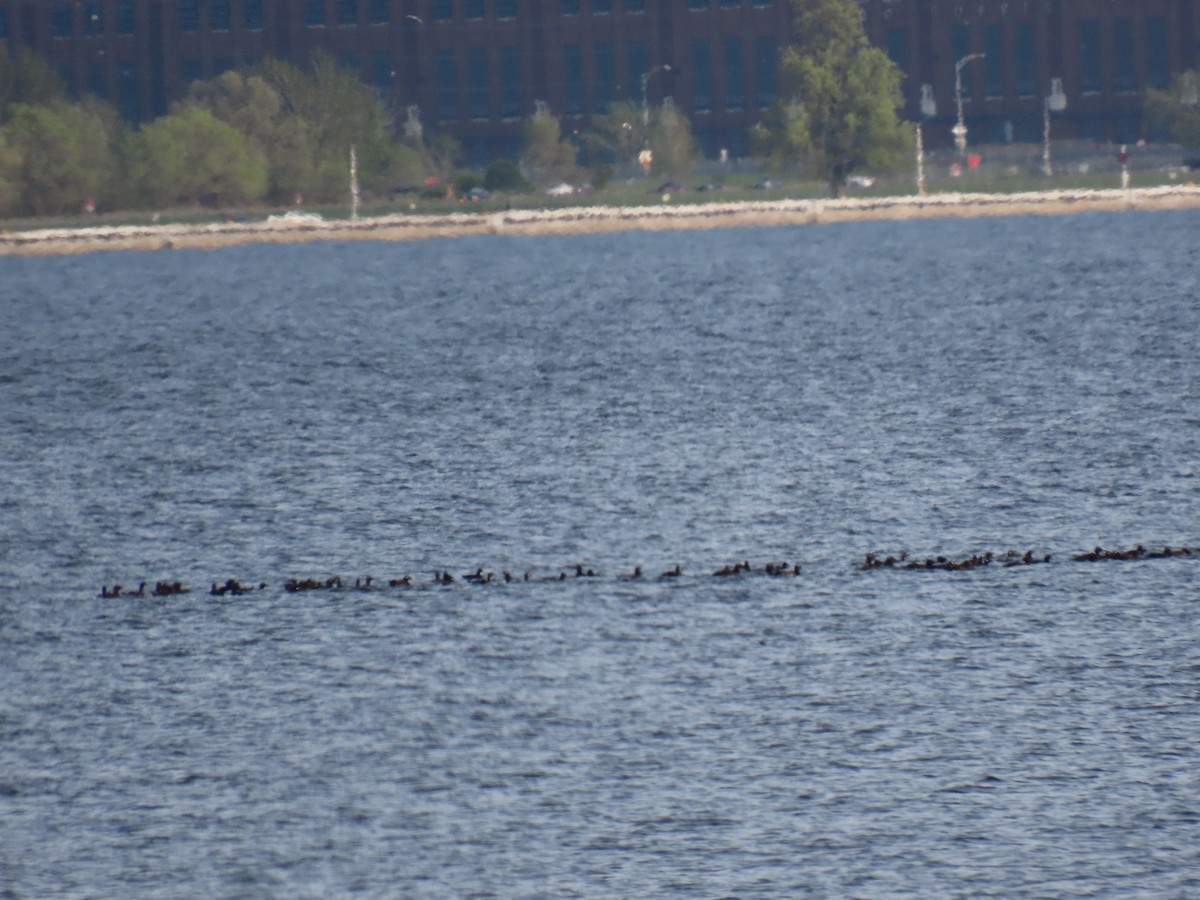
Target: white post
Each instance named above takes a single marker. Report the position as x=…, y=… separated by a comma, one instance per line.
x=1056, y=101
x=1047, y=170
x=920, y=162
x=353, y=184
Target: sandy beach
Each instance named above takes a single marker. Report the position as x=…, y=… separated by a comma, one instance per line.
x=590, y=219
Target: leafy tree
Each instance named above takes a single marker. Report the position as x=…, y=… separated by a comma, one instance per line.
x=840, y=96
x=338, y=112
x=1174, y=114
x=406, y=168
x=192, y=157
x=544, y=149
x=10, y=177
x=249, y=103
x=505, y=175
x=618, y=134
x=671, y=141
x=27, y=78
x=63, y=153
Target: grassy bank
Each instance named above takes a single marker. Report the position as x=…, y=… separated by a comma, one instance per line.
x=723, y=207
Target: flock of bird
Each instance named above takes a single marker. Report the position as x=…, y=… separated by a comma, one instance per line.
x=873, y=560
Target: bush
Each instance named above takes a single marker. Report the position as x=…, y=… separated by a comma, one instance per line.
x=601, y=176
x=505, y=175
x=464, y=181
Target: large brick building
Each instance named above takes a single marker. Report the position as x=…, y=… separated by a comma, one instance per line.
x=475, y=68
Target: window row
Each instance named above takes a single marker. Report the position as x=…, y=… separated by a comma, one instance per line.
x=613, y=74
x=987, y=76
x=98, y=76
x=70, y=19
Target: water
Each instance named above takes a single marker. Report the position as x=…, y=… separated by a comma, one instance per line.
x=810, y=394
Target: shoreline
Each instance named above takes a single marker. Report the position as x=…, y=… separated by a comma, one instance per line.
x=591, y=220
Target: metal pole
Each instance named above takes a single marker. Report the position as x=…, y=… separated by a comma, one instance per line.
x=1047, y=170
x=960, y=129
x=353, y=184
x=920, y=162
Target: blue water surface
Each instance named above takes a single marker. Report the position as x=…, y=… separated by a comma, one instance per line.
x=805, y=395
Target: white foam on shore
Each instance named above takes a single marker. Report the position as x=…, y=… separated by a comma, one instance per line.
x=574, y=219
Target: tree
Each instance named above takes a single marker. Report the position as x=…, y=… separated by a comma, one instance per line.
x=338, y=112
x=26, y=78
x=505, y=175
x=617, y=135
x=10, y=177
x=1174, y=114
x=192, y=157
x=840, y=96
x=671, y=141
x=544, y=150
x=256, y=109
x=64, y=156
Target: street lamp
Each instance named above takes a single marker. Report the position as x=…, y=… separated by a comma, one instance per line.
x=928, y=111
x=1056, y=101
x=665, y=67
x=960, y=130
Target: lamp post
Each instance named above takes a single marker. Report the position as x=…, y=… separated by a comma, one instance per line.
x=1056, y=101
x=665, y=67
x=928, y=111
x=960, y=130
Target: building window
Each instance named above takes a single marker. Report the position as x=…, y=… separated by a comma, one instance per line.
x=606, y=74
x=635, y=6
x=702, y=93
x=189, y=15
x=506, y=9
x=477, y=82
x=1089, y=56
x=601, y=7
x=66, y=72
x=126, y=17
x=443, y=10
x=960, y=41
x=637, y=63
x=93, y=18
x=697, y=4
x=314, y=13
x=568, y=7
x=3, y=23
x=129, y=92
x=384, y=70
x=223, y=64
x=98, y=80
x=510, y=82
x=347, y=12
x=379, y=12
x=1156, y=52
x=730, y=3
x=766, y=70
x=573, y=101
x=252, y=14
x=1027, y=78
x=190, y=70
x=62, y=23
x=993, y=62
x=897, y=48
x=1124, y=78
x=447, y=76
x=472, y=9
x=735, y=75
x=218, y=15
